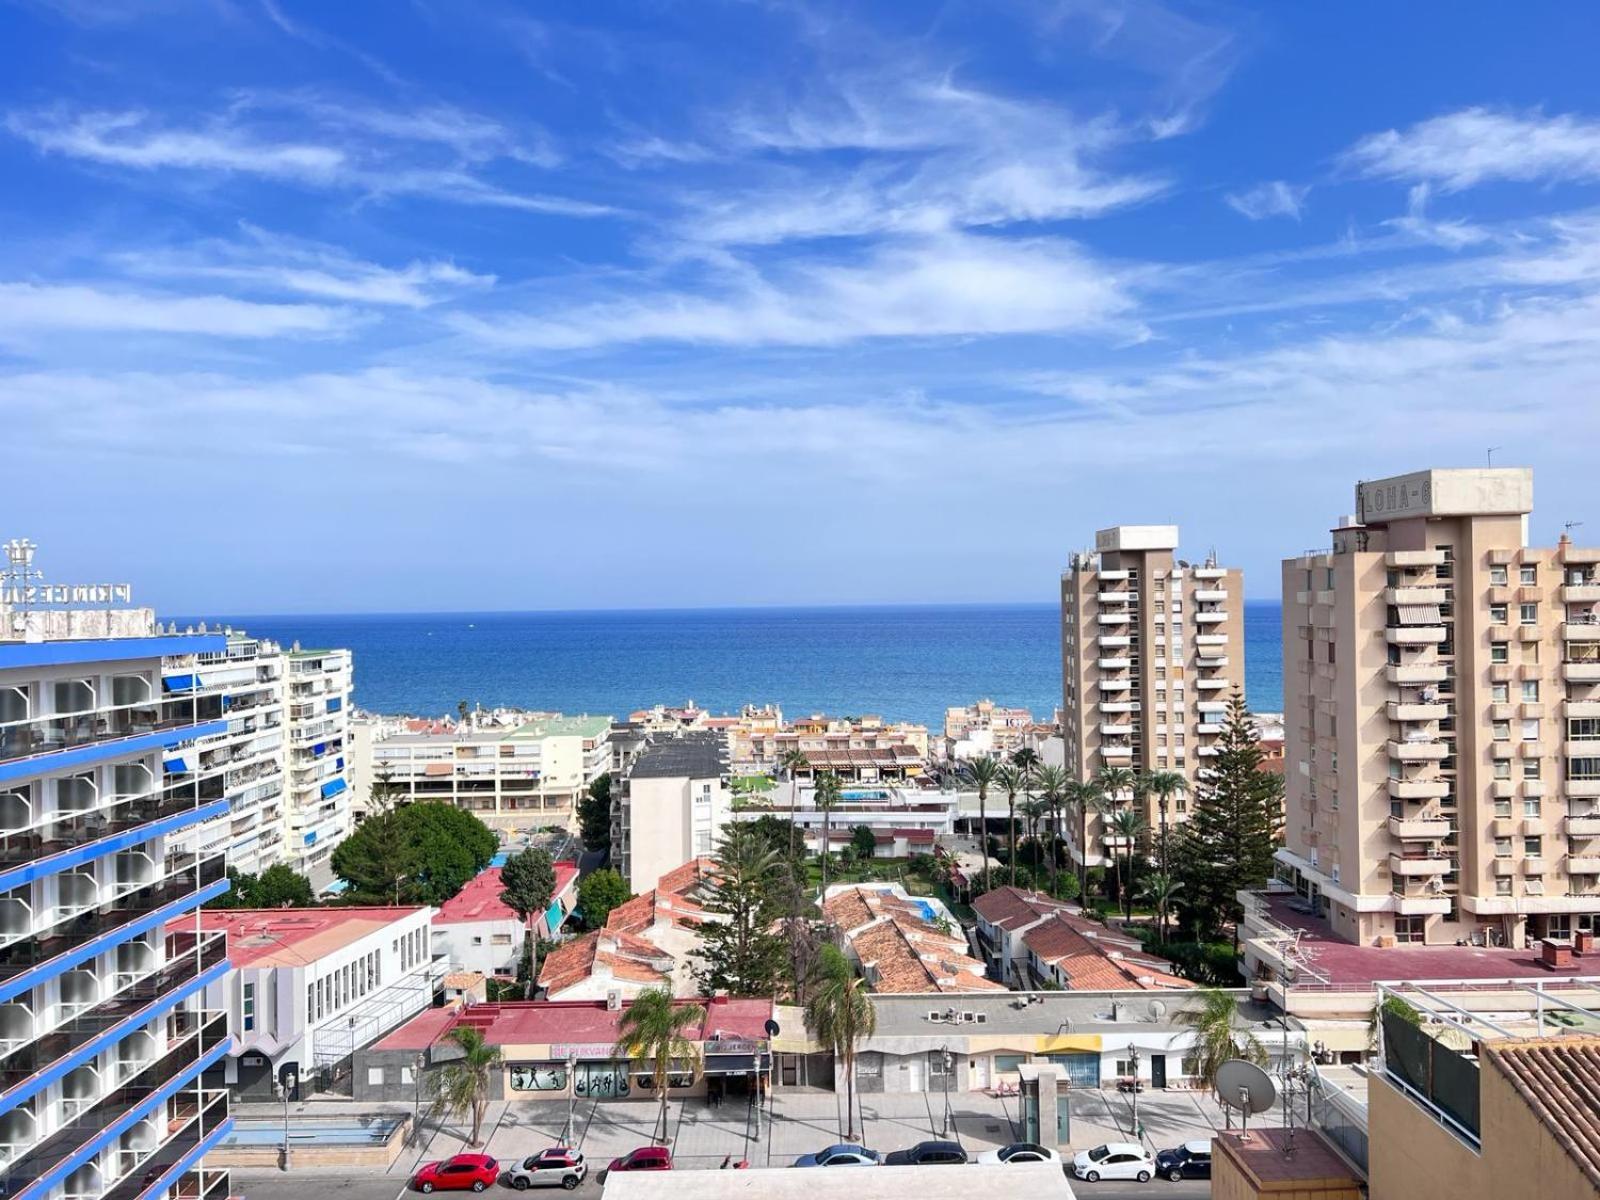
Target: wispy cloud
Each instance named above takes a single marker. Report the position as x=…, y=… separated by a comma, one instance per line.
x=946, y=286
x=1272, y=199
x=1479, y=145
x=30, y=308
x=275, y=264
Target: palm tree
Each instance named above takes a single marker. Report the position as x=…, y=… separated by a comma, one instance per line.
x=1052, y=785
x=983, y=773
x=840, y=1015
x=462, y=1085
x=1085, y=798
x=1112, y=782
x=1128, y=826
x=826, y=800
x=652, y=1030
x=1026, y=758
x=1163, y=785
x=1216, y=1037
x=1159, y=888
x=1013, y=779
x=791, y=761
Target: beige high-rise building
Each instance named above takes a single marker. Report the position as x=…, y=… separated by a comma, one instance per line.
x=1442, y=695
x=1152, y=648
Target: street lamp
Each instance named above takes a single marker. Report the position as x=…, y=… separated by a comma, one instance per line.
x=286, y=1086
x=572, y=1096
x=949, y=1068
x=1133, y=1061
x=416, y=1098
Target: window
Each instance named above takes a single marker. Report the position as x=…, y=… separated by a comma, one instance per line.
x=1499, y=652
x=1502, y=806
x=1502, y=885
x=1004, y=1063
x=1583, y=768
x=1530, y=768
x=1502, y=768
x=1530, y=653
x=1530, y=691
x=502, y=939
x=1124, y=1066
x=1497, y=577
x=1502, y=847
x=248, y=1008
x=1528, y=614
x=374, y=1076
x=1583, y=729
x=1500, y=693
x=1530, y=729
x=477, y=941
x=1497, y=614
x=1530, y=806
x=1533, y=846
x=1528, y=574
x=1502, y=731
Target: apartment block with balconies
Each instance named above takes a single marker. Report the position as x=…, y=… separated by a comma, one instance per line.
x=317, y=801
x=105, y=1040
x=1152, y=651
x=1442, y=697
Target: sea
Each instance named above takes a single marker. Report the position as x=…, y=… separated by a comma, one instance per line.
x=899, y=662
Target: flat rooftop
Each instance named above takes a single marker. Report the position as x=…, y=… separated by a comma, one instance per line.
x=1035, y=1013
x=480, y=899
x=1264, y=1155
x=544, y=1022
x=293, y=937
x=688, y=756
x=1326, y=959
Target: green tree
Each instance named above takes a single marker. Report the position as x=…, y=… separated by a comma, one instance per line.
x=1026, y=759
x=1051, y=784
x=1129, y=827
x=1163, y=785
x=527, y=882
x=775, y=832
x=826, y=800
x=863, y=841
x=1160, y=888
x=594, y=814
x=1013, y=780
x=415, y=854
x=982, y=773
x=598, y=893
x=1218, y=1035
x=840, y=1015
x=1227, y=844
x=790, y=763
x=739, y=953
x=462, y=1084
x=652, y=1032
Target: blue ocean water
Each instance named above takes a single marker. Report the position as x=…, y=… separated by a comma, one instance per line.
x=904, y=663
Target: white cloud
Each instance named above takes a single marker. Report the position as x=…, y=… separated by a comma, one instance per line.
x=947, y=286
x=1272, y=199
x=1478, y=145
x=29, y=308
x=130, y=139
x=273, y=263
x=1451, y=235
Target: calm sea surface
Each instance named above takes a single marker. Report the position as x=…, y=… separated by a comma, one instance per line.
x=907, y=663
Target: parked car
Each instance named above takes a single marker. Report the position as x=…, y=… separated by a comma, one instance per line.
x=1019, y=1152
x=1115, y=1160
x=1192, y=1160
x=645, y=1158
x=458, y=1174
x=845, y=1154
x=926, y=1154
x=558, y=1166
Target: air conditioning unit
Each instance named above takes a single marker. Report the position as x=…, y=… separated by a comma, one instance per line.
x=613, y=1000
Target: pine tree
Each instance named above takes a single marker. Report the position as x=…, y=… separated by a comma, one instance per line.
x=1227, y=844
x=740, y=948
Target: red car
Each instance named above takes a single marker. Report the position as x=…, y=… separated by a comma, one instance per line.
x=475, y=1171
x=645, y=1158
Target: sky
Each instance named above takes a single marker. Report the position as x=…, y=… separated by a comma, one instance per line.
x=475, y=304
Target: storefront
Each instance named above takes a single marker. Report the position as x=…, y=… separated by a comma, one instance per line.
x=592, y=1071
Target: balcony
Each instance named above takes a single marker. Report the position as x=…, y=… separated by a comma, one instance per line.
x=1414, y=558
x=1414, y=635
x=1419, y=789
x=1582, y=708
x=1113, y=576
x=1114, y=664
x=1583, y=824
x=1211, y=595
x=1116, y=730
x=1580, y=593
x=1209, y=572
x=1211, y=662
x=1420, y=750
x=1210, y=639
x=1113, y=618
x=1419, y=829
x=1583, y=864
x=75, y=830
x=1415, y=865
x=68, y=731
x=1116, y=596
x=1581, y=672
x=1581, y=631
x=1210, y=617
x=189, y=1125
x=1212, y=685
x=1115, y=685
x=1401, y=711
x=1116, y=641
x=1416, y=673
x=1415, y=594
x=1206, y=727
x=1110, y=750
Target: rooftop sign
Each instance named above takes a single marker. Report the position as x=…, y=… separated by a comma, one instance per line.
x=22, y=586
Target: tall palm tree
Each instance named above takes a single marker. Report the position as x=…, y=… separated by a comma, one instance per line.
x=1051, y=783
x=1159, y=888
x=653, y=1031
x=790, y=762
x=983, y=773
x=1026, y=758
x=826, y=800
x=1085, y=798
x=1163, y=785
x=1113, y=782
x=461, y=1086
x=1012, y=780
x=1217, y=1038
x=1129, y=826
x=1034, y=811
x=840, y=1015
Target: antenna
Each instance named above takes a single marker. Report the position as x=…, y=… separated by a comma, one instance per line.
x=1246, y=1087
x=1569, y=526
x=1488, y=455
x=1157, y=1010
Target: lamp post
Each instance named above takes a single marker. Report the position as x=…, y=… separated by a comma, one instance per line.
x=416, y=1099
x=286, y=1086
x=949, y=1066
x=1133, y=1061
x=572, y=1096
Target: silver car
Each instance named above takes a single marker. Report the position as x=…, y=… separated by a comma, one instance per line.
x=559, y=1166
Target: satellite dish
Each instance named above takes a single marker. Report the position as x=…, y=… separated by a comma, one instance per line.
x=1246, y=1087
x=1157, y=1010
x=772, y=1028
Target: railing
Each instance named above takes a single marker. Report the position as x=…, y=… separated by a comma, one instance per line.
x=191, y=1122
x=68, y=830
x=65, y=731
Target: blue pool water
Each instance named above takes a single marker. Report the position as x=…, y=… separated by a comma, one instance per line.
x=499, y=860
x=864, y=795
x=927, y=910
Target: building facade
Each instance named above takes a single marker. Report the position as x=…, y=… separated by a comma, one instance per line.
x=671, y=806
x=317, y=813
x=105, y=1035
x=1152, y=650
x=478, y=931
x=985, y=730
x=1442, y=696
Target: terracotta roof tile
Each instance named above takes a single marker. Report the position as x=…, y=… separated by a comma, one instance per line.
x=1559, y=1079
x=1096, y=959
x=1011, y=907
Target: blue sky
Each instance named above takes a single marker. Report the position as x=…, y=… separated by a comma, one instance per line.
x=480, y=304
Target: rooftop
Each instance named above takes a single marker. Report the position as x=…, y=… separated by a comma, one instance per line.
x=1452, y=492
x=1011, y=907
x=1261, y=1154
x=480, y=899
x=583, y=726
x=1035, y=1013
x=544, y=1022
x=1559, y=1079
x=292, y=937
x=900, y=949
x=622, y=956
x=1095, y=958
x=685, y=756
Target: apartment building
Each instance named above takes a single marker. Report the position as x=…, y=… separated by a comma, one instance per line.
x=671, y=806
x=1442, y=696
x=985, y=730
x=105, y=1037
x=864, y=749
x=317, y=815
x=523, y=775
x=1152, y=649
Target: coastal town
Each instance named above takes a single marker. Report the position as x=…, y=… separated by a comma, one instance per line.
x=262, y=941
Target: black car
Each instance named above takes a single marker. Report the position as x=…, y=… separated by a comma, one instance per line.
x=926, y=1154
x=1192, y=1160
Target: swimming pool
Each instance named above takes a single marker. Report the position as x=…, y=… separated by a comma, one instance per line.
x=929, y=913
x=499, y=860
x=375, y=1131
x=864, y=795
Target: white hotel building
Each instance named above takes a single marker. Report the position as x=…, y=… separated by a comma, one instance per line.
x=317, y=817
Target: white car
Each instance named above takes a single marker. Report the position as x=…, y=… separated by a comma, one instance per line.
x=1115, y=1160
x=559, y=1166
x=1019, y=1152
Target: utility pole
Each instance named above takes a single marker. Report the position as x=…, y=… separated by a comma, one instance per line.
x=1133, y=1058
x=572, y=1096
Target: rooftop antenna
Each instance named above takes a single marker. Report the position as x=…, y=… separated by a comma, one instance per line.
x=1244, y=1086
x=1489, y=455
x=1569, y=526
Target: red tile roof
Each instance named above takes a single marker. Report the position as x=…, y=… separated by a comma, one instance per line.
x=1012, y=907
x=480, y=899
x=1559, y=1079
x=899, y=949
x=542, y=1022
x=626, y=958
x=293, y=937
x=1095, y=959
x=653, y=907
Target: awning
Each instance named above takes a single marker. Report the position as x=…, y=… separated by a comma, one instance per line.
x=176, y=765
x=736, y=1064
x=320, y=748
x=180, y=683
x=335, y=704
x=436, y=769
x=1420, y=614
x=332, y=788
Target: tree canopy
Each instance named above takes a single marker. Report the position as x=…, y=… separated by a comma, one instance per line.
x=414, y=854
x=741, y=953
x=594, y=814
x=279, y=886
x=528, y=880
x=598, y=893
